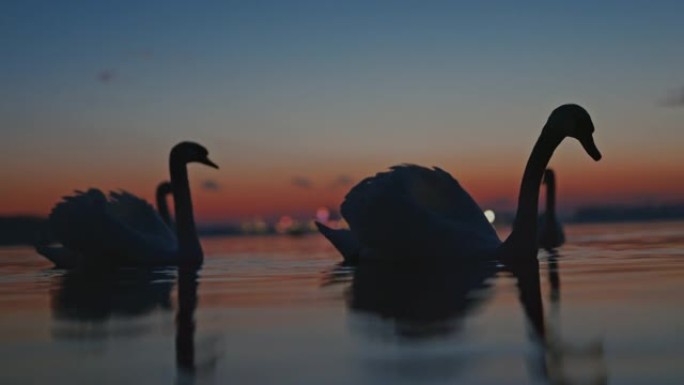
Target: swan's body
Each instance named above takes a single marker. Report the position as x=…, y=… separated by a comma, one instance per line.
x=122, y=202
x=413, y=212
x=89, y=221
x=551, y=233
x=125, y=230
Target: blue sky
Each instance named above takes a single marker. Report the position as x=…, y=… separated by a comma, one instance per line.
x=329, y=88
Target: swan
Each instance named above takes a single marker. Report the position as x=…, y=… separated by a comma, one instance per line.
x=64, y=258
x=124, y=230
x=414, y=212
x=164, y=189
x=550, y=230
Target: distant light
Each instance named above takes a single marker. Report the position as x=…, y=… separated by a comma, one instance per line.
x=489, y=214
x=255, y=226
x=284, y=224
x=322, y=214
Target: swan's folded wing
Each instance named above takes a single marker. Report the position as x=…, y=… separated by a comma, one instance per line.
x=413, y=209
x=111, y=232
x=139, y=215
x=436, y=190
x=138, y=226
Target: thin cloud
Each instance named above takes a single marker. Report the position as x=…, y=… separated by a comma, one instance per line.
x=342, y=181
x=674, y=98
x=106, y=76
x=302, y=182
x=211, y=185
x=143, y=54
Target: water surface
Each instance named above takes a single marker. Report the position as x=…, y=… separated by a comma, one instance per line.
x=275, y=310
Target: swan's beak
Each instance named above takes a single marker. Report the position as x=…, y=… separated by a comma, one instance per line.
x=209, y=163
x=590, y=147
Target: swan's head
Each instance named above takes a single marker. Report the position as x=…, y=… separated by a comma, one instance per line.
x=574, y=121
x=189, y=152
x=164, y=188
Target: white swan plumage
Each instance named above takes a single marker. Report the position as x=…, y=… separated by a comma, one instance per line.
x=417, y=212
x=124, y=230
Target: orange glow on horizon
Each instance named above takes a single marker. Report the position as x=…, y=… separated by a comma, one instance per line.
x=267, y=187
x=263, y=195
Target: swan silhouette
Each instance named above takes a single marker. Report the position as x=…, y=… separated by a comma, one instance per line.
x=416, y=213
x=124, y=230
x=163, y=190
x=64, y=258
x=550, y=230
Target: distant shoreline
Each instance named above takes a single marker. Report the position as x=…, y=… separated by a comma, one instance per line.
x=32, y=230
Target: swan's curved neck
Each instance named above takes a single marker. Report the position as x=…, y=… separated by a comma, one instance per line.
x=162, y=207
x=550, y=182
x=523, y=238
x=190, y=250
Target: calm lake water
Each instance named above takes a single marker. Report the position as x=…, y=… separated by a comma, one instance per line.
x=275, y=310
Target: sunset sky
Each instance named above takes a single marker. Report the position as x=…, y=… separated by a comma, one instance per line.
x=296, y=101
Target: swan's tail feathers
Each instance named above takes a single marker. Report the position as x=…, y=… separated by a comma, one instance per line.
x=62, y=257
x=344, y=241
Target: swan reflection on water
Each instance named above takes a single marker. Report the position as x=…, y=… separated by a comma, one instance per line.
x=195, y=361
x=89, y=299
x=185, y=319
x=560, y=361
x=84, y=303
x=420, y=302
